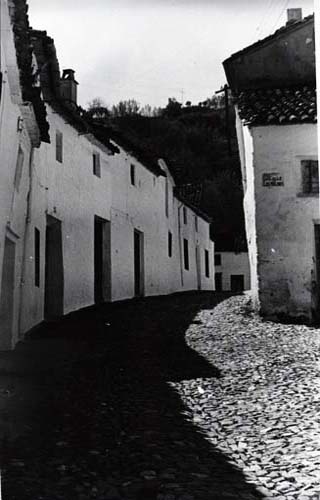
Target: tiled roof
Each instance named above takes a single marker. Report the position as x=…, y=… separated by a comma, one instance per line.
x=30, y=92
x=191, y=192
x=191, y=196
x=278, y=106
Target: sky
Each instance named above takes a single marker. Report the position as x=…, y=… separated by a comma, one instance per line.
x=150, y=50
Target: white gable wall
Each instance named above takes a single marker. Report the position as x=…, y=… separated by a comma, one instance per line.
x=285, y=219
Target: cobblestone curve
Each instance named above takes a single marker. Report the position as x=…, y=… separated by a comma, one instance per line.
x=264, y=411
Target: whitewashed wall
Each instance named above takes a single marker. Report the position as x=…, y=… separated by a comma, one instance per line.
x=284, y=219
x=13, y=195
x=233, y=263
x=143, y=207
x=246, y=153
x=71, y=193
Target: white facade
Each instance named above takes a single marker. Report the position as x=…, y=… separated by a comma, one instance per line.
x=16, y=150
x=281, y=219
x=70, y=193
x=80, y=225
x=232, y=271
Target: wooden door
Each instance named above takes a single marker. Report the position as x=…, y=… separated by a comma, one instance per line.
x=7, y=295
x=54, y=273
x=138, y=264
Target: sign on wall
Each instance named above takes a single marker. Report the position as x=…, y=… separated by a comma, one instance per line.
x=272, y=179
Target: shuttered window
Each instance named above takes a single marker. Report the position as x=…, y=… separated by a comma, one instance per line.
x=59, y=146
x=186, y=254
x=310, y=176
x=169, y=244
x=19, y=167
x=185, y=216
x=36, y=257
x=207, y=263
x=96, y=164
x=133, y=175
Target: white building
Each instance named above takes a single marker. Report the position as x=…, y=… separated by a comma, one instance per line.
x=20, y=135
x=83, y=220
x=274, y=86
x=232, y=271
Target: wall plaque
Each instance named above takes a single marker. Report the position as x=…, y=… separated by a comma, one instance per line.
x=272, y=179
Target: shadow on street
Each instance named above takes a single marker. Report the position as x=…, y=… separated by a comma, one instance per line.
x=105, y=423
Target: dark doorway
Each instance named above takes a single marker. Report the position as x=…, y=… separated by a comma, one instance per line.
x=7, y=295
x=198, y=267
x=54, y=276
x=138, y=264
x=237, y=282
x=102, y=260
x=218, y=282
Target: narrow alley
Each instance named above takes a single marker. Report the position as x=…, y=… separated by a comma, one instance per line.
x=187, y=397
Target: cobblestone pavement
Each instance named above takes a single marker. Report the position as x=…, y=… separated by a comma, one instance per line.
x=264, y=410
x=188, y=397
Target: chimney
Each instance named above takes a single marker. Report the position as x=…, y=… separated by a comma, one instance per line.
x=68, y=87
x=294, y=15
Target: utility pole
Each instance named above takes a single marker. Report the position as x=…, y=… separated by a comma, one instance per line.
x=225, y=89
x=182, y=96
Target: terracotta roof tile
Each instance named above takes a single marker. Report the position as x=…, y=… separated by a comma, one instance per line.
x=191, y=196
x=278, y=106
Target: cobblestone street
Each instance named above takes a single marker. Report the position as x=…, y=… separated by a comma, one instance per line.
x=188, y=397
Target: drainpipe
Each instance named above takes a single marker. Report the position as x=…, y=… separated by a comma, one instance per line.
x=25, y=240
x=180, y=244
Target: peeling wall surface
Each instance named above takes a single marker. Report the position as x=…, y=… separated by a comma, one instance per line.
x=284, y=219
x=233, y=264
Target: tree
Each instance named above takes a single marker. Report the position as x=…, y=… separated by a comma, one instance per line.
x=126, y=108
x=173, y=108
x=146, y=110
x=97, y=109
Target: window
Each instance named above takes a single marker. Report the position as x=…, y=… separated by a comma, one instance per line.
x=167, y=198
x=310, y=177
x=36, y=257
x=218, y=282
x=19, y=167
x=186, y=254
x=196, y=223
x=169, y=244
x=207, y=263
x=185, y=217
x=96, y=164
x=59, y=146
x=133, y=175
x=217, y=259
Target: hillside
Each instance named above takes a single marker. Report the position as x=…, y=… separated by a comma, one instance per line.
x=193, y=141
